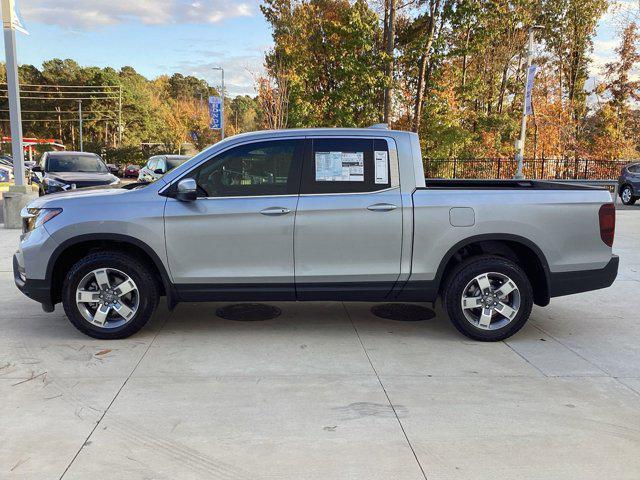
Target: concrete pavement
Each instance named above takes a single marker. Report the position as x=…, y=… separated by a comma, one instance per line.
x=325, y=391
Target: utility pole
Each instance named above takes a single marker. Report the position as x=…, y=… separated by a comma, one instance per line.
x=523, y=123
x=120, y=118
x=221, y=106
x=13, y=90
x=80, y=124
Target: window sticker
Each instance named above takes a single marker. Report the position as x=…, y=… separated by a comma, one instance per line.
x=381, y=166
x=340, y=166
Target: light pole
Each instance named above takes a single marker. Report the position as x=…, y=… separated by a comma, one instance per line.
x=13, y=90
x=80, y=124
x=222, y=105
x=523, y=123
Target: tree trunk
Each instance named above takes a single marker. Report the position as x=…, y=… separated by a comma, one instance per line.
x=465, y=57
x=503, y=85
x=390, y=47
x=424, y=60
x=417, y=108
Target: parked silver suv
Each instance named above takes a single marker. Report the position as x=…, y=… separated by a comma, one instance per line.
x=326, y=214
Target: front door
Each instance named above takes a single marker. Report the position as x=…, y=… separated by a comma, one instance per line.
x=348, y=231
x=236, y=240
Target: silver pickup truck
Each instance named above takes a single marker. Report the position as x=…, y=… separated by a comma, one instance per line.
x=322, y=214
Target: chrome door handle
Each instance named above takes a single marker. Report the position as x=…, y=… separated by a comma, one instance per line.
x=273, y=211
x=382, y=207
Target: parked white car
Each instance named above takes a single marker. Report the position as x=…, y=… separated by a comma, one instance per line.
x=158, y=165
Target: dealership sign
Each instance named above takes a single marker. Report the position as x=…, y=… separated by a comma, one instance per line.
x=215, y=113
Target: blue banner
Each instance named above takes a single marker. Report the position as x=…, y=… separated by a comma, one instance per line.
x=531, y=74
x=215, y=113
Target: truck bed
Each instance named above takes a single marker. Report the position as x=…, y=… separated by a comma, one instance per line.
x=431, y=183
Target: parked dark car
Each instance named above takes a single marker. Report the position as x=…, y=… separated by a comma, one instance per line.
x=61, y=171
x=629, y=184
x=113, y=168
x=131, y=171
x=6, y=160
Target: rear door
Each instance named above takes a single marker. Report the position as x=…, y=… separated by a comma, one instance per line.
x=348, y=231
x=634, y=177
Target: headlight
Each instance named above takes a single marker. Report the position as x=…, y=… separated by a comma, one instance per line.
x=34, y=217
x=50, y=182
x=115, y=182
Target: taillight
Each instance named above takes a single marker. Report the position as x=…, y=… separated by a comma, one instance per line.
x=607, y=218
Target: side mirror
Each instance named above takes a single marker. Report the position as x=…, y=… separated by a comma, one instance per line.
x=36, y=168
x=159, y=171
x=187, y=190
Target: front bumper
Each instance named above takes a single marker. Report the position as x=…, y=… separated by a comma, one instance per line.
x=38, y=290
x=567, y=283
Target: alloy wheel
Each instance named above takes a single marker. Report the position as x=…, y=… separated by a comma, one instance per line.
x=490, y=301
x=107, y=298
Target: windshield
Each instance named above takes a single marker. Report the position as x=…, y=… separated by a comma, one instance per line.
x=76, y=163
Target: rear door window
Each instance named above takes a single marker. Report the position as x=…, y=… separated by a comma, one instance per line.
x=346, y=165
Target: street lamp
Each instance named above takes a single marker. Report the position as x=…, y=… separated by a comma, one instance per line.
x=523, y=123
x=222, y=105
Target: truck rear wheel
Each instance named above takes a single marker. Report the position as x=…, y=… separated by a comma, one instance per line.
x=488, y=298
x=109, y=295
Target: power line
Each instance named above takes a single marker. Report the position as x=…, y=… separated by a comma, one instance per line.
x=66, y=92
x=55, y=120
x=81, y=92
x=60, y=111
x=65, y=86
x=66, y=98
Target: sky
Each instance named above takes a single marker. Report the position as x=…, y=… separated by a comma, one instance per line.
x=189, y=36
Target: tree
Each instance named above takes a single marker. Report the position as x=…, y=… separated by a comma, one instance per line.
x=613, y=127
x=328, y=52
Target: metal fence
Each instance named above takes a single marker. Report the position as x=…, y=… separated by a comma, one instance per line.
x=540, y=168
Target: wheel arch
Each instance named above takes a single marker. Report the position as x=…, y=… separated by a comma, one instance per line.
x=70, y=251
x=517, y=248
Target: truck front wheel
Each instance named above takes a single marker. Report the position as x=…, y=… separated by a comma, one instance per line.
x=488, y=298
x=109, y=294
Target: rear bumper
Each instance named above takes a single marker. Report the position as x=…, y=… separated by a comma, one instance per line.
x=567, y=283
x=38, y=290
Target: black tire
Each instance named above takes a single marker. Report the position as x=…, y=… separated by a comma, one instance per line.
x=138, y=271
x=632, y=199
x=464, y=273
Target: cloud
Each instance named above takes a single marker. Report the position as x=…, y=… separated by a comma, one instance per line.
x=88, y=15
x=240, y=71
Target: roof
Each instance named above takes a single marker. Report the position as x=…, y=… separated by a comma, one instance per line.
x=70, y=152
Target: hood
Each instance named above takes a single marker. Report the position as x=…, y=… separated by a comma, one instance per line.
x=82, y=177
x=58, y=199
x=55, y=200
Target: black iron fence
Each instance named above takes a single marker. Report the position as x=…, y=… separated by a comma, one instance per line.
x=540, y=168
